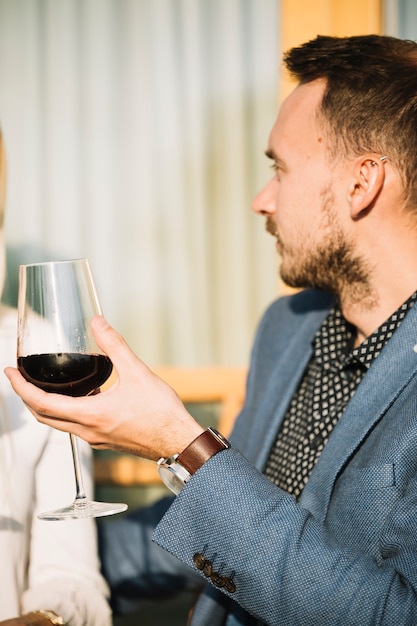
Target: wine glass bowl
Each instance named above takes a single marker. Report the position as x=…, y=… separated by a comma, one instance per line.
x=68, y=373
x=57, y=352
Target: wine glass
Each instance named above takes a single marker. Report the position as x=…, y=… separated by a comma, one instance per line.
x=56, y=350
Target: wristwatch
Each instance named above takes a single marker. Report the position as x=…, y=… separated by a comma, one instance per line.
x=177, y=470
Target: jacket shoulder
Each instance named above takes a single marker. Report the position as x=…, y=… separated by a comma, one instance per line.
x=295, y=309
x=289, y=323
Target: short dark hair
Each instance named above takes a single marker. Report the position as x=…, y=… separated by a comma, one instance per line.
x=370, y=100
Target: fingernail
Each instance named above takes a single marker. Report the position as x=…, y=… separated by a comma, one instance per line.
x=100, y=323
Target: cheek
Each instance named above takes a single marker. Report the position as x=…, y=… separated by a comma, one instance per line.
x=301, y=197
x=292, y=204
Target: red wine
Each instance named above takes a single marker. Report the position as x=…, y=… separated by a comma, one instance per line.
x=71, y=374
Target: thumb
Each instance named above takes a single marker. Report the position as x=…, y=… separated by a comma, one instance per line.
x=111, y=342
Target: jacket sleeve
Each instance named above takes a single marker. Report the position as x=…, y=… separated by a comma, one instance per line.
x=284, y=565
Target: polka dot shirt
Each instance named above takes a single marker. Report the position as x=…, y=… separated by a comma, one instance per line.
x=330, y=380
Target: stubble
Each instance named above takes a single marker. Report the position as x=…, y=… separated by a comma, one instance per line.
x=328, y=262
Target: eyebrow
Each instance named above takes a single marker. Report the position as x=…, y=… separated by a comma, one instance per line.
x=270, y=154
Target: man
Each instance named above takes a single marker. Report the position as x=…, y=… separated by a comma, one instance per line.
x=310, y=517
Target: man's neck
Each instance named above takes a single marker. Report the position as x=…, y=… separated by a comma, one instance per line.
x=368, y=315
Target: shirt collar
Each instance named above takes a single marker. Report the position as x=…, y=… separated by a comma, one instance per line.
x=333, y=342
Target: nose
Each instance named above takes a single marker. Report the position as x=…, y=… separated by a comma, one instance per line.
x=264, y=203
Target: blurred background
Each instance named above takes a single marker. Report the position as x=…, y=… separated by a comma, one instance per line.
x=135, y=132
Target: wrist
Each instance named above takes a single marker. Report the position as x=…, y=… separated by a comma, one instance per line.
x=178, y=444
x=201, y=449
x=177, y=470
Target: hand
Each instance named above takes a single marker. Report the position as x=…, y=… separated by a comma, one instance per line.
x=139, y=413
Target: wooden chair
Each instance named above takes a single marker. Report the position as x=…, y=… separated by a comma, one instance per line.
x=210, y=385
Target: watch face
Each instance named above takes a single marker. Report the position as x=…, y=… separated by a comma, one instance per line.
x=174, y=476
x=171, y=480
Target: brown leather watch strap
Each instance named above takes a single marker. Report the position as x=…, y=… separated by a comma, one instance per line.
x=206, y=445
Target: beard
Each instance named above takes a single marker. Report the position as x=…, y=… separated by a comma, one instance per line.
x=329, y=264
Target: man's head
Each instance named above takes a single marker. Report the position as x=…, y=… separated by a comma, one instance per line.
x=370, y=100
x=301, y=202
x=338, y=150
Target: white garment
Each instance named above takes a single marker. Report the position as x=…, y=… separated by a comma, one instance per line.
x=43, y=565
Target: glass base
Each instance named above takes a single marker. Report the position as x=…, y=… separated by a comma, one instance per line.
x=83, y=509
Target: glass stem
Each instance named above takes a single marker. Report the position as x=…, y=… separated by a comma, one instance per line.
x=80, y=495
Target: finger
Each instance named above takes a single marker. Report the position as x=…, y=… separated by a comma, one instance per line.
x=42, y=403
x=113, y=344
x=55, y=410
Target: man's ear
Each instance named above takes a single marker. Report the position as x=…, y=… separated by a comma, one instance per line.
x=368, y=180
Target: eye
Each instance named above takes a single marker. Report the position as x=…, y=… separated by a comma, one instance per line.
x=276, y=169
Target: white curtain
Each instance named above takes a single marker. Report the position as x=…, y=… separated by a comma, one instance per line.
x=135, y=132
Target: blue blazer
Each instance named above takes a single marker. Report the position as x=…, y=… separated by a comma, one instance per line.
x=346, y=552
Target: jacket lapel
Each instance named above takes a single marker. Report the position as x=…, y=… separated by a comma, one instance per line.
x=389, y=374
x=287, y=370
